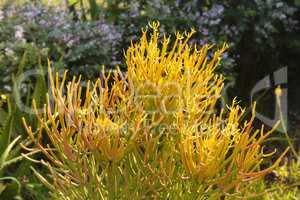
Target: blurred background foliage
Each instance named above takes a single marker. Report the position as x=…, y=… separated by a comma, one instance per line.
x=83, y=35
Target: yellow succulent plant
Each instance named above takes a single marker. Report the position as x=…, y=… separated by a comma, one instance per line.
x=152, y=132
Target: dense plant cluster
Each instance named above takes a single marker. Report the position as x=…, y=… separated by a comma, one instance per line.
x=152, y=133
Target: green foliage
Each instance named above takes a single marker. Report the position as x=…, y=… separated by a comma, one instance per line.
x=286, y=185
x=9, y=153
x=13, y=166
x=94, y=9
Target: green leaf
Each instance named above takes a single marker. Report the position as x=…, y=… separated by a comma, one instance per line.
x=94, y=9
x=72, y=2
x=40, y=88
x=5, y=154
x=3, y=117
x=22, y=64
x=10, y=190
x=39, y=91
x=5, y=136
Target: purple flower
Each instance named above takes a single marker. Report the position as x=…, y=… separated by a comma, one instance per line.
x=205, y=31
x=216, y=10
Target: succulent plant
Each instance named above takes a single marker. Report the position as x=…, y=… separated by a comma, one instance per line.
x=152, y=132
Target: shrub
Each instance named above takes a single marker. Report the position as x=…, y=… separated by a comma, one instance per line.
x=153, y=132
x=50, y=32
x=16, y=179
